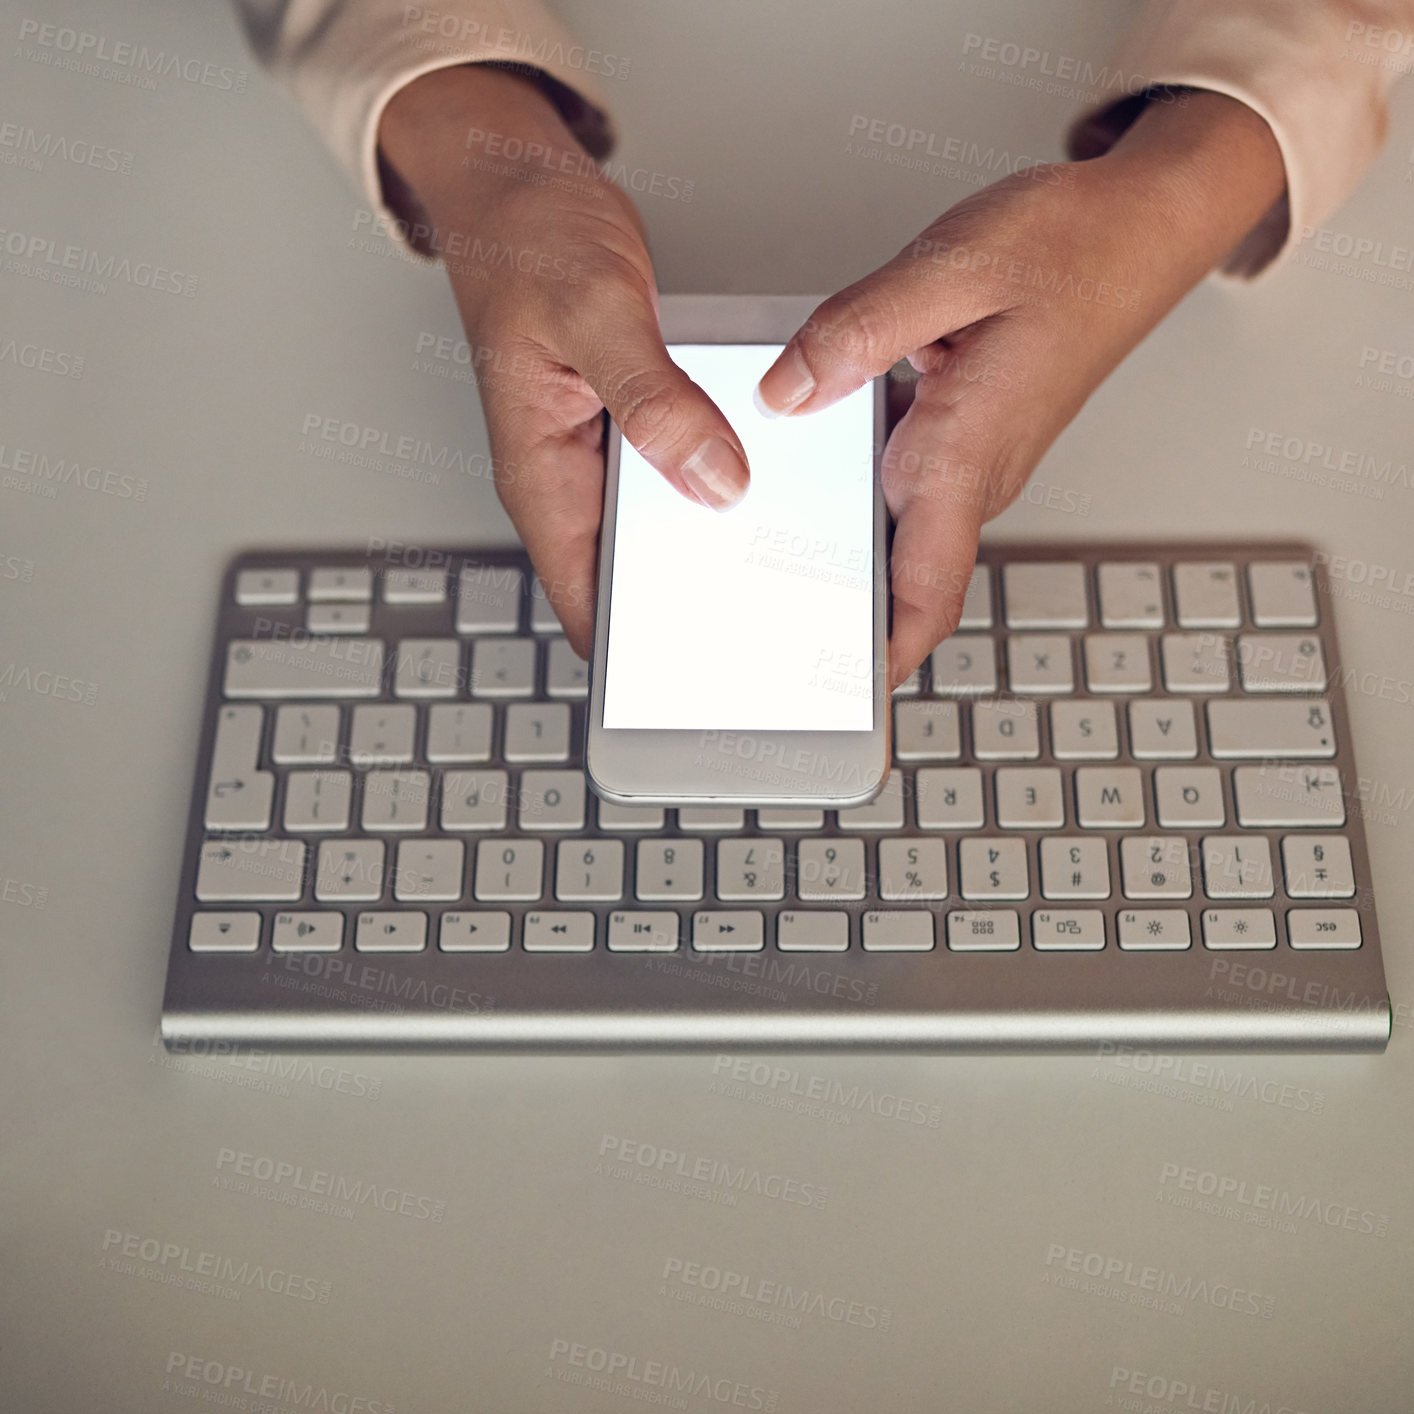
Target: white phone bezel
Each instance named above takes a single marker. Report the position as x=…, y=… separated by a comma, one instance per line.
x=624, y=763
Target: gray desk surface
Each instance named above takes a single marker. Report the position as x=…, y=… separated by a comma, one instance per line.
x=501, y=1246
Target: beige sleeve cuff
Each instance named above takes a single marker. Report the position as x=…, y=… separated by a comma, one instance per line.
x=344, y=60
x=1318, y=71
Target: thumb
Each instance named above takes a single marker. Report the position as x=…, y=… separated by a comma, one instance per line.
x=661, y=412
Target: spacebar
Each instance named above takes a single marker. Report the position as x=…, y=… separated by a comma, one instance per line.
x=325, y=666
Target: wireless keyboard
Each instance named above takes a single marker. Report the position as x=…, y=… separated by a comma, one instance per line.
x=1124, y=809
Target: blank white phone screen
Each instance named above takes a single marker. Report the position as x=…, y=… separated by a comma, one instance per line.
x=760, y=617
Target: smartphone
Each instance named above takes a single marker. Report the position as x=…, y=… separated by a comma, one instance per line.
x=740, y=657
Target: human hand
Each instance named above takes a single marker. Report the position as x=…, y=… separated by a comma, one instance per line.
x=560, y=305
x=1013, y=307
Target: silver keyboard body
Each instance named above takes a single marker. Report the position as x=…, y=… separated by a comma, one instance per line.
x=1288, y=959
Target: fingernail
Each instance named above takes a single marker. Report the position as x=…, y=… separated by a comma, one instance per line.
x=786, y=384
x=716, y=475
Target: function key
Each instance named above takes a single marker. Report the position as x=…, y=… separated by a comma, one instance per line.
x=267, y=587
x=1046, y=595
x=1282, y=594
x=1131, y=596
x=1205, y=594
x=414, y=586
x=353, y=584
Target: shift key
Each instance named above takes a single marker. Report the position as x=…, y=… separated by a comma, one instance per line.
x=319, y=666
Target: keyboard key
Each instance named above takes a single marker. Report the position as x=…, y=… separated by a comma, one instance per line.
x=395, y=800
x=552, y=800
x=537, y=731
x=1005, y=730
x=1262, y=729
x=1039, y=663
x=884, y=812
x=482, y=931
x=1084, y=731
x=629, y=817
x=1131, y=596
x=382, y=735
x=566, y=673
x=1109, y=797
x=709, y=818
x=558, y=932
x=1030, y=798
x=543, y=618
x=316, y=667
x=234, y=871
x=1318, y=866
x=1283, y=595
x=429, y=870
x=337, y=618
x=926, y=731
x=896, y=930
x=1281, y=662
x=1313, y=928
x=429, y=667
x=1075, y=867
x=589, y=871
x=488, y=599
x=813, y=931
x=658, y=932
x=1205, y=594
x=913, y=870
x=993, y=868
x=258, y=588
x=738, y=931
x=391, y=932
x=750, y=869
x=984, y=930
x=1155, y=866
x=1281, y=794
x=782, y=818
x=1237, y=866
x=503, y=667
x=964, y=665
x=306, y=736
x=668, y=869
x=977, y=605
x=830, y=869
x=1189, y=797
x=415, y=586
x=509, y=870
x=350, y=871
x=1045, y=595
x=318, y=800
x=1154, y=930
x=1195, y=662
x=307, y=932
x=239, y=799
x=949, y=798
x=1068, y=930
x=459, y=732
x=224, y=932
x=351, y=584
x=1117, y=662
x=1239, y=928
x=1162, y=730
x=474, y=800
